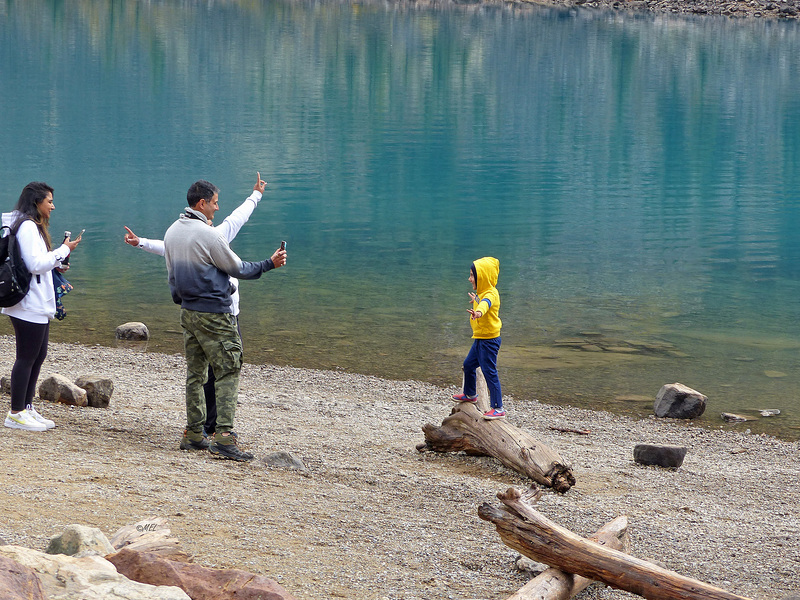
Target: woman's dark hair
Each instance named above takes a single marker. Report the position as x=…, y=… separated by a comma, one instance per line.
x=31, y=197
x=201, y=190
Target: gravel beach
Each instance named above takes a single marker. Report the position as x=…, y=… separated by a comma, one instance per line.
x=757, y=9
x=371, y=517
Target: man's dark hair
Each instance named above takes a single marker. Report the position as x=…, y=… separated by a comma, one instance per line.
x=201, y=190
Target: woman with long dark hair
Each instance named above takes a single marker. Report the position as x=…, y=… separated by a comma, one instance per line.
x=31, y=316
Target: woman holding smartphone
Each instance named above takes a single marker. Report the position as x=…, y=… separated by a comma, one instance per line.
x=31, y=316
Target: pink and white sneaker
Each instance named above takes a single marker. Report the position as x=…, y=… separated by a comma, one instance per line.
x=464, y=398
x=495, y=413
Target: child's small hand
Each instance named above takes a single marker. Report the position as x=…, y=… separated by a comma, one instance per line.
x=474, y=314
x=473, y=296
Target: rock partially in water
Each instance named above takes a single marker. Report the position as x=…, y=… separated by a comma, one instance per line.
x=734, y=418
x=132, y=331
x=769, y=412
x=678, y=401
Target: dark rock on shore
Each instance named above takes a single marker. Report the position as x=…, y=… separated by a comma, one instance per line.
x=677, y=401
x=659, y=455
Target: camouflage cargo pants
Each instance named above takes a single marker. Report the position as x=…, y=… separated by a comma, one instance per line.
x=211, y=338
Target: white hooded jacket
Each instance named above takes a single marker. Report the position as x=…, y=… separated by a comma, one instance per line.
x=39, y=305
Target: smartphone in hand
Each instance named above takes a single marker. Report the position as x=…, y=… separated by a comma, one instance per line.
x=283, y=245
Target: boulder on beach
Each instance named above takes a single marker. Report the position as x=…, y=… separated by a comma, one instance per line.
x=677, y=401
x=57, y=388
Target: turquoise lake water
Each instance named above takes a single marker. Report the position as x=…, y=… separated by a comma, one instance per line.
x=637, y=176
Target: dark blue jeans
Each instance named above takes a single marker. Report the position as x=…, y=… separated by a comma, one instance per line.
x=483, y=354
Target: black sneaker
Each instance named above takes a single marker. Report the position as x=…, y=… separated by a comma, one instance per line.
x=230, y=451
x=192, y=443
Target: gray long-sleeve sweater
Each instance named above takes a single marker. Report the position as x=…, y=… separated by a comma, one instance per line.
x=199, y=263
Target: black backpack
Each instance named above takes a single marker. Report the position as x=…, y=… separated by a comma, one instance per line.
x=15, y=279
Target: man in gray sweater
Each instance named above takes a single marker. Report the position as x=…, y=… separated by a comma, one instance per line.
x=199, y=264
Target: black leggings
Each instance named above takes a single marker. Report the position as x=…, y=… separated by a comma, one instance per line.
x=31, y=352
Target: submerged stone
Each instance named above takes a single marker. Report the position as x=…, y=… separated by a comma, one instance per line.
x=774, y=374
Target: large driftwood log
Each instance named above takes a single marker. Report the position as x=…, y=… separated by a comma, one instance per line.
x=555, y=584
x=466, y=430
x=531, y=533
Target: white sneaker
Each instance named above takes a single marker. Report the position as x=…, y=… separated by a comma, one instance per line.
x=23, y=420
x=46, y=422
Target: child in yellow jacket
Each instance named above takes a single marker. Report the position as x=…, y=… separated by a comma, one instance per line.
x=486, y=324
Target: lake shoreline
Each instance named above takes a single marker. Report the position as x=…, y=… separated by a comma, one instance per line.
x=404, y=522
x=761, y=9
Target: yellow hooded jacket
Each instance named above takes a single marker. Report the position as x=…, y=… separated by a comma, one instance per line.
x=488, y=326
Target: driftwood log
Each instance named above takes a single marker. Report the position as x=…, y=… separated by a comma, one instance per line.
x=555, y=584
x=466, y=430
x=531, y=533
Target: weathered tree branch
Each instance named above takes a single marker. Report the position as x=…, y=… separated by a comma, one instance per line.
x=555, y=584
x=465, y=430
x=531, y=533
x=570, y=430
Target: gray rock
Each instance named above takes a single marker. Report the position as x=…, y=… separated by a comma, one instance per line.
x=132, y=330
x=284, y=460
x=78, y=541
x=677, y=401
x=769, y=412
x=669, y=457
x=5, y=385
x=734, y=418
x=529, y=567
x=98, y=390
x=57, y=388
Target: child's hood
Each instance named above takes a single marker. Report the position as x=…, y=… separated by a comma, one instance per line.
x=487, y=270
